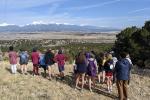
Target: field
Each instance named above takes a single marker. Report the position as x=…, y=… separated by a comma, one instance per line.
x=71, y=42
x=99, y=37
x=28, y=87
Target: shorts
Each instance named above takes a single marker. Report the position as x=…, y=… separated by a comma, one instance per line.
x=35, y=65
x=109, y=74
x=44, y=67
x=23, y=63
x=75, y=71
x=101, y=69
x=61, y=68
x=92, y=74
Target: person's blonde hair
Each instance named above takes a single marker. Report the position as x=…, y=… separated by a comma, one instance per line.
x=109, y=56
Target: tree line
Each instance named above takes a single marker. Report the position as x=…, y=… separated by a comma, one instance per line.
x=136, y=41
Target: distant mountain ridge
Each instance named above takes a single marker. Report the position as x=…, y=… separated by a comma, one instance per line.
x=55, y=28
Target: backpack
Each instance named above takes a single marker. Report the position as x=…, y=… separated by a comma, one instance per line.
x=108, y=66
x=42, y=60
x=23, y=57
x=91, y=67
x=49, y=58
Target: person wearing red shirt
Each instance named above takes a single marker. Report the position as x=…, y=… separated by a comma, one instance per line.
x=13, y=59
x=60, y=58
x=35, y=60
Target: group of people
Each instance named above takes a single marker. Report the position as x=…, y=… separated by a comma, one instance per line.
x=43, y=60
x=87, y=67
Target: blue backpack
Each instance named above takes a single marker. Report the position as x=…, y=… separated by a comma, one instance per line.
x=23, y=57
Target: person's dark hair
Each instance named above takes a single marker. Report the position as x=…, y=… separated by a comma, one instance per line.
x=113, y=54
x=123, y=54
x=22, y=49
x=93, y=52
x=60, y=51
x=34, y=50
x=101, y=54
x=92, y=55
x=11, y=48
x=49, y=49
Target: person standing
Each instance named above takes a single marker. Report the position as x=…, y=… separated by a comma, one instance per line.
x=49, y=61
x=122, y=71
x=114, y=63
x=101, y=70
x=42, y=63
x=60, y=58
x=81, y=63
x=91, y=70
x=108, y=66
x=13, y=60
x=130, y=61
x=24, y=58
x=35, y=60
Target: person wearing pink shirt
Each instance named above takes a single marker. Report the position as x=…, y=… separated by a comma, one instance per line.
x=35, y=60
x=13, y=60
x=60, y=58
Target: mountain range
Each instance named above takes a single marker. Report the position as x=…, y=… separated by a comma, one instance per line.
x=55, y=28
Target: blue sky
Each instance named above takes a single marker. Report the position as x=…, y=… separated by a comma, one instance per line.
x=109, y=13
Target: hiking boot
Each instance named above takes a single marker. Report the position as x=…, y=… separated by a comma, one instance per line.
x=91, y=90
x=62, y=78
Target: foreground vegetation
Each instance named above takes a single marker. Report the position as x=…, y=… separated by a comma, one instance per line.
x=70, y=48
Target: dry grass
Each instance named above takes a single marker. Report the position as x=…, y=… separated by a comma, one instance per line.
x=21, y=87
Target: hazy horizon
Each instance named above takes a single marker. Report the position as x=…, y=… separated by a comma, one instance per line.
x=102, y=13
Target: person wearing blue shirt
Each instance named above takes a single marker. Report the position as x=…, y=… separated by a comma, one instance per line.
x=42, y=63
x=122, y=71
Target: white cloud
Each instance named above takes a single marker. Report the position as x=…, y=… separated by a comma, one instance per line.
x=18, y=4
x=38, y=22
x=5, y=24
x=139, y=10
x=96, y=5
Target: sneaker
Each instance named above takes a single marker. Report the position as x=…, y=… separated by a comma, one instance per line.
x=91, y=90
x=110, y=90
x=62, y=78
x=21, y=72
x=50, y=78
x=81, y=90
x=113, y=84
x=26, y=73
x=75, y=88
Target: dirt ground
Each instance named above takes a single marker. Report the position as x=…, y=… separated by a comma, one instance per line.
x=29, y=87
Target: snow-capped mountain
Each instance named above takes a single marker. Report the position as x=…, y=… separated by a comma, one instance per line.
x=40, y=26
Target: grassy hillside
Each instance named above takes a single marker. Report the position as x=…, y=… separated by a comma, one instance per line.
x=28, y=87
